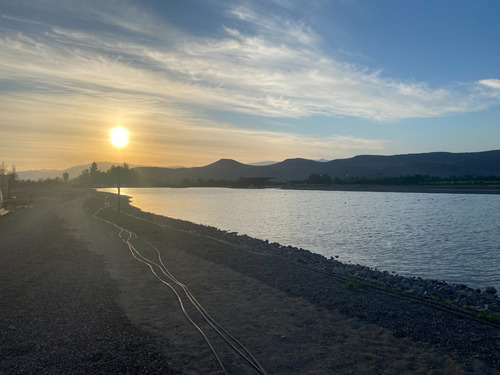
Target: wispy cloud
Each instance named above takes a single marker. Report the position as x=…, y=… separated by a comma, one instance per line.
x=267, y=67
x=493, y=83
x=115, y=61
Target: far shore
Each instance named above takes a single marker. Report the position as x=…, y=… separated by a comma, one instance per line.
x=431, y=189
x=435, y=189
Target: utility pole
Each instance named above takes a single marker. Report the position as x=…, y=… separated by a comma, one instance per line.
x=118, y=189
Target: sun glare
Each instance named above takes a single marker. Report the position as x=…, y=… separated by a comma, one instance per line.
x=119, y=137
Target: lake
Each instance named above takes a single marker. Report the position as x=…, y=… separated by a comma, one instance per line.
x=450, y=237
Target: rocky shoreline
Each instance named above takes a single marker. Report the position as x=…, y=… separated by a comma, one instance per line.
x=459, y=295
x=484, y=302
x=453, y=318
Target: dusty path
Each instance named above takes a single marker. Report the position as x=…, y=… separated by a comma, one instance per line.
x=59, y=312
x=74, y=300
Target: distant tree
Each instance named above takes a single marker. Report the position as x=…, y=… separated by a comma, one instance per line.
x=13, y=173
x=85, y=173
x=319, y=179
x=93, y=168
x=12, y=177
x=3, y=168
x=83, y=178
x=66, y=177
x=123, y=173
x=246, y=182
x=186, y=182
x=338, y=181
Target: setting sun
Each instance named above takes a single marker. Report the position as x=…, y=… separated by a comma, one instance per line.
x=119, y=137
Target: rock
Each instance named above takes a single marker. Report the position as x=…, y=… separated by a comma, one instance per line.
x=490, y=290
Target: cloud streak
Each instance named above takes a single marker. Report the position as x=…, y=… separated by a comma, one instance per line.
x=276, y=70
x=133, y=66
x=493, y=83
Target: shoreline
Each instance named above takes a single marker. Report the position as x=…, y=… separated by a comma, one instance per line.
x=389, y=277
x=431, y=189
x=477, y=300
x=443, y=315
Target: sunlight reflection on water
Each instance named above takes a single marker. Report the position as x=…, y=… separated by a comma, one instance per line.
x=452, y=237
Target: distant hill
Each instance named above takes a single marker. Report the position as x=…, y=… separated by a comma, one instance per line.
x=438, y=164
x=73, y=172
x=261, y=163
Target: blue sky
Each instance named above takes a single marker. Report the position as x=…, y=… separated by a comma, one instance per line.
x=196, y=81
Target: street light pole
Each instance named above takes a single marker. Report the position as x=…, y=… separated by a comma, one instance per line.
x=118, y=189
x=119, y=138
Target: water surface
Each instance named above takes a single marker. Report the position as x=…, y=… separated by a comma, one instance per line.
x=451, y=237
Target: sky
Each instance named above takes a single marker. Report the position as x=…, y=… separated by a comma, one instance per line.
x=197, y=81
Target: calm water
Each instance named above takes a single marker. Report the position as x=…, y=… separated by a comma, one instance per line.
x=451, y=237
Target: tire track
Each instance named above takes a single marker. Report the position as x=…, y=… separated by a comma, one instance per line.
x=161, y=272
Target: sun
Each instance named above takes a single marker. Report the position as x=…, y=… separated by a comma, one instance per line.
x=119, y=136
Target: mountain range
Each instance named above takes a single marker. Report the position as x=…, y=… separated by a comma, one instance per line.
x=437, y=164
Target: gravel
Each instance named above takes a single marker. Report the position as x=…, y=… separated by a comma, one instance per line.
x=58, y=312
x=450, y=317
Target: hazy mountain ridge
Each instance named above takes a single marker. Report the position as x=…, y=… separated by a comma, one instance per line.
x=439, y=164
x=73, y=171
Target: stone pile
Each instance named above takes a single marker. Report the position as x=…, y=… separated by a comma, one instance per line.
x=458, y=295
